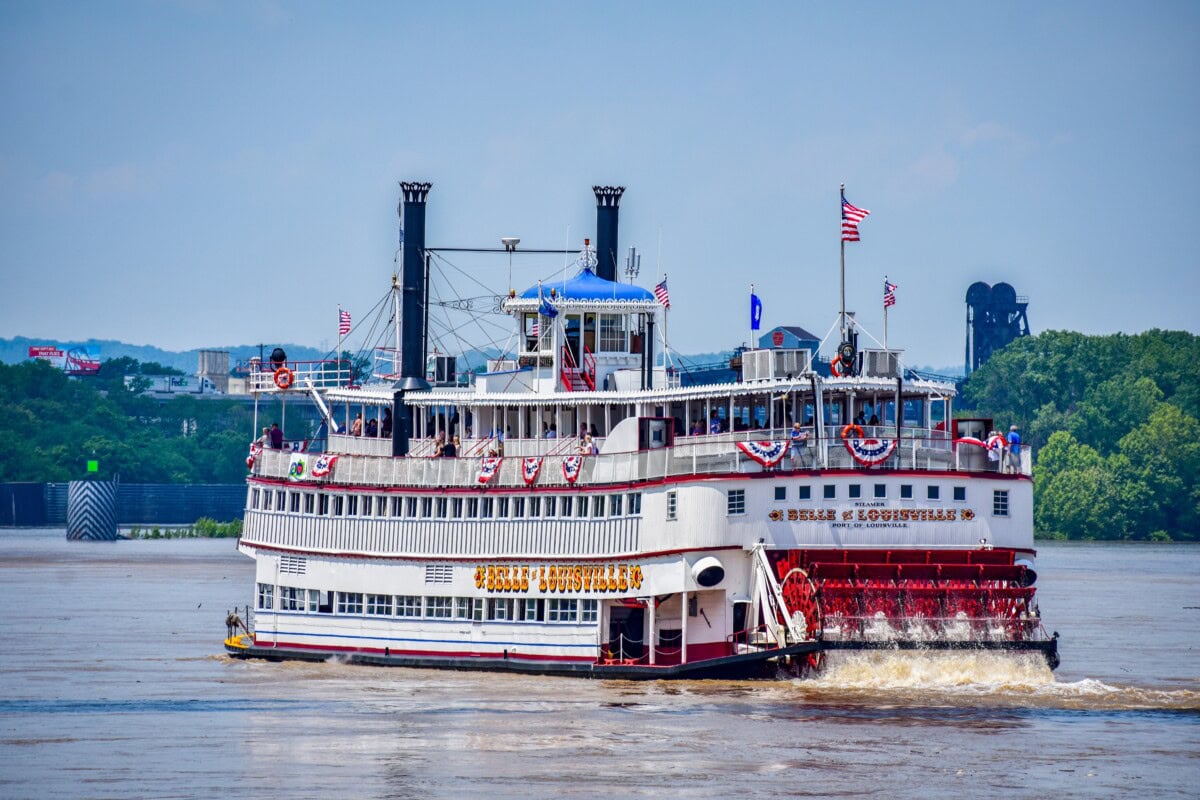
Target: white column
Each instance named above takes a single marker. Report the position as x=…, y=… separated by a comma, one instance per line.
x=683, y=633
x=651, y=636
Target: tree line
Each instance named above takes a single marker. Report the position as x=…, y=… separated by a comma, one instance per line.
x=1113, y=424
x=52, y=425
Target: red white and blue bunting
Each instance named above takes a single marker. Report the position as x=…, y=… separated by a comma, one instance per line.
x=766, y=453
x=488, y=467
x=255, y=449
x=571, y=467
x=324, y=466
x=870, y=452
x=530, y=467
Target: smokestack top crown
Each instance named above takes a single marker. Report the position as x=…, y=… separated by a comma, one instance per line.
x=608, y=195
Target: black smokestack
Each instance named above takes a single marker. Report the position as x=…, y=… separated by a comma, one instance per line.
x=608, y=203
x=412, y=280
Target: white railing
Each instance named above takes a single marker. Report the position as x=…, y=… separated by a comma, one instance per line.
x=267, y=377
x=696, y=455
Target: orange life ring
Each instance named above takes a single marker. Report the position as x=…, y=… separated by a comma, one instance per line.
x=284, y=378
x=835, y=366
x=852, y=428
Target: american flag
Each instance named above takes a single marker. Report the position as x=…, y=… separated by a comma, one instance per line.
x=851, y=216
x=343, y=322
x=660, y=293
x=537, y=327
x=889, y=293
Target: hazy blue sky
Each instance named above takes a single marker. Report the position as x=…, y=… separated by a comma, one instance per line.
x=198, y=173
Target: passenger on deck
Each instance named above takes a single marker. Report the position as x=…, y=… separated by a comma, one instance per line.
x=1014, y=449
x=451, y=449
x=439, y=445
x=798, y=447
x=714, y=425
x=697, y=428
x=860, y=419
x=386, y=427
x=356, y=426
x=552, y=431
x=586, y=446
x=373, y=428
x=276, y=434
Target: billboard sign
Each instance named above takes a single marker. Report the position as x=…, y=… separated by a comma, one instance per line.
x=76, y=361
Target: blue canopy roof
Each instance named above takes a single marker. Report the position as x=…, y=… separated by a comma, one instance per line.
x=589, y=286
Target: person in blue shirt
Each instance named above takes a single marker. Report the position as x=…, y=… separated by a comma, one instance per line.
x=714, y=426
x=1014, y=449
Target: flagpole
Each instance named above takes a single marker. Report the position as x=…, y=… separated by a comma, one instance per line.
x=750, y=341
x=841, y=211
x=339, y=361
x=885, y=308
x=666, y=311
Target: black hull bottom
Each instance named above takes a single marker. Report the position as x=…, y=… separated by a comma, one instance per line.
x=786, y=662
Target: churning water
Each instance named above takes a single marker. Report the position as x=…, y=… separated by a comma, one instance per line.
x=115, y=685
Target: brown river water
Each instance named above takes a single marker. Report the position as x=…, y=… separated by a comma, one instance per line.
x=114, y=684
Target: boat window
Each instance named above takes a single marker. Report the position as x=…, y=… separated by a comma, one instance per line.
x=462, y=607
x=672, y=505
x=291, y=598
x=614, y=505
x=933, y=492
x=457, y=506
x=518, y=507
x=960, y=493
x=564, y=506
x=532, y=610
x=588, y=610
x=881, y=490
x=472, y=507
x=266, y=596
x=781, y=493
x=379, y=605
x=906, y=491
x=352, y=505
x=279, y=501
x=598, y=506
x=410, y=507
x=581, y=507
x=438, y=607
x=426, y=507
x=502, y=508
x=441, y=507
x=294, y=502
x=635, y=504
x=338, y=504
x=350, y=603
x=855, y=491
x=613, y=338
x=830, y=491
x=408, y=605
x=1000, y=503
x=367, y=505
x=736, y=502
x=560, y=610
x=487, y=508
x=309, y=502
x=535, y=507
x=500, y=608
x=551, y=502
x=254, y=498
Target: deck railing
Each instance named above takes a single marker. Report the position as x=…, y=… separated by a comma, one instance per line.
x=698, y=455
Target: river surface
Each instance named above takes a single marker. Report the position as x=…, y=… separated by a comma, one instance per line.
x=114, y=684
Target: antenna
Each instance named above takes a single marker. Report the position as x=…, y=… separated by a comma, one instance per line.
x=633, y=264
x=510, y=244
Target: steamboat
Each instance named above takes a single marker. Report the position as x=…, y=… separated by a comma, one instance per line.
x=579, y=508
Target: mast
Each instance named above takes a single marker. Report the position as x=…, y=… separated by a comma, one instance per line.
x=842, y=211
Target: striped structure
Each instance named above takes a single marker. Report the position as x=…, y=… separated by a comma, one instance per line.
x=92, y=510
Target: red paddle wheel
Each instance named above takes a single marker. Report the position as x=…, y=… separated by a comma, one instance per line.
x=800, y=596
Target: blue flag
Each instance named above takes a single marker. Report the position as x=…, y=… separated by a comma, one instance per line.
x=755, y=312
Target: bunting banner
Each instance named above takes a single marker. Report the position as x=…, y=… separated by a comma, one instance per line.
x=255, y=449
x=766, y=453
x=488, y=467
x=298, y=467
x=870, y=452
x=530, y=467
x=324, y=466
x=571, y=467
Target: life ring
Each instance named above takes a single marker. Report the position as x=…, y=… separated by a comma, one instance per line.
x=835, y=367
x=852, y=428
x=284, y=378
